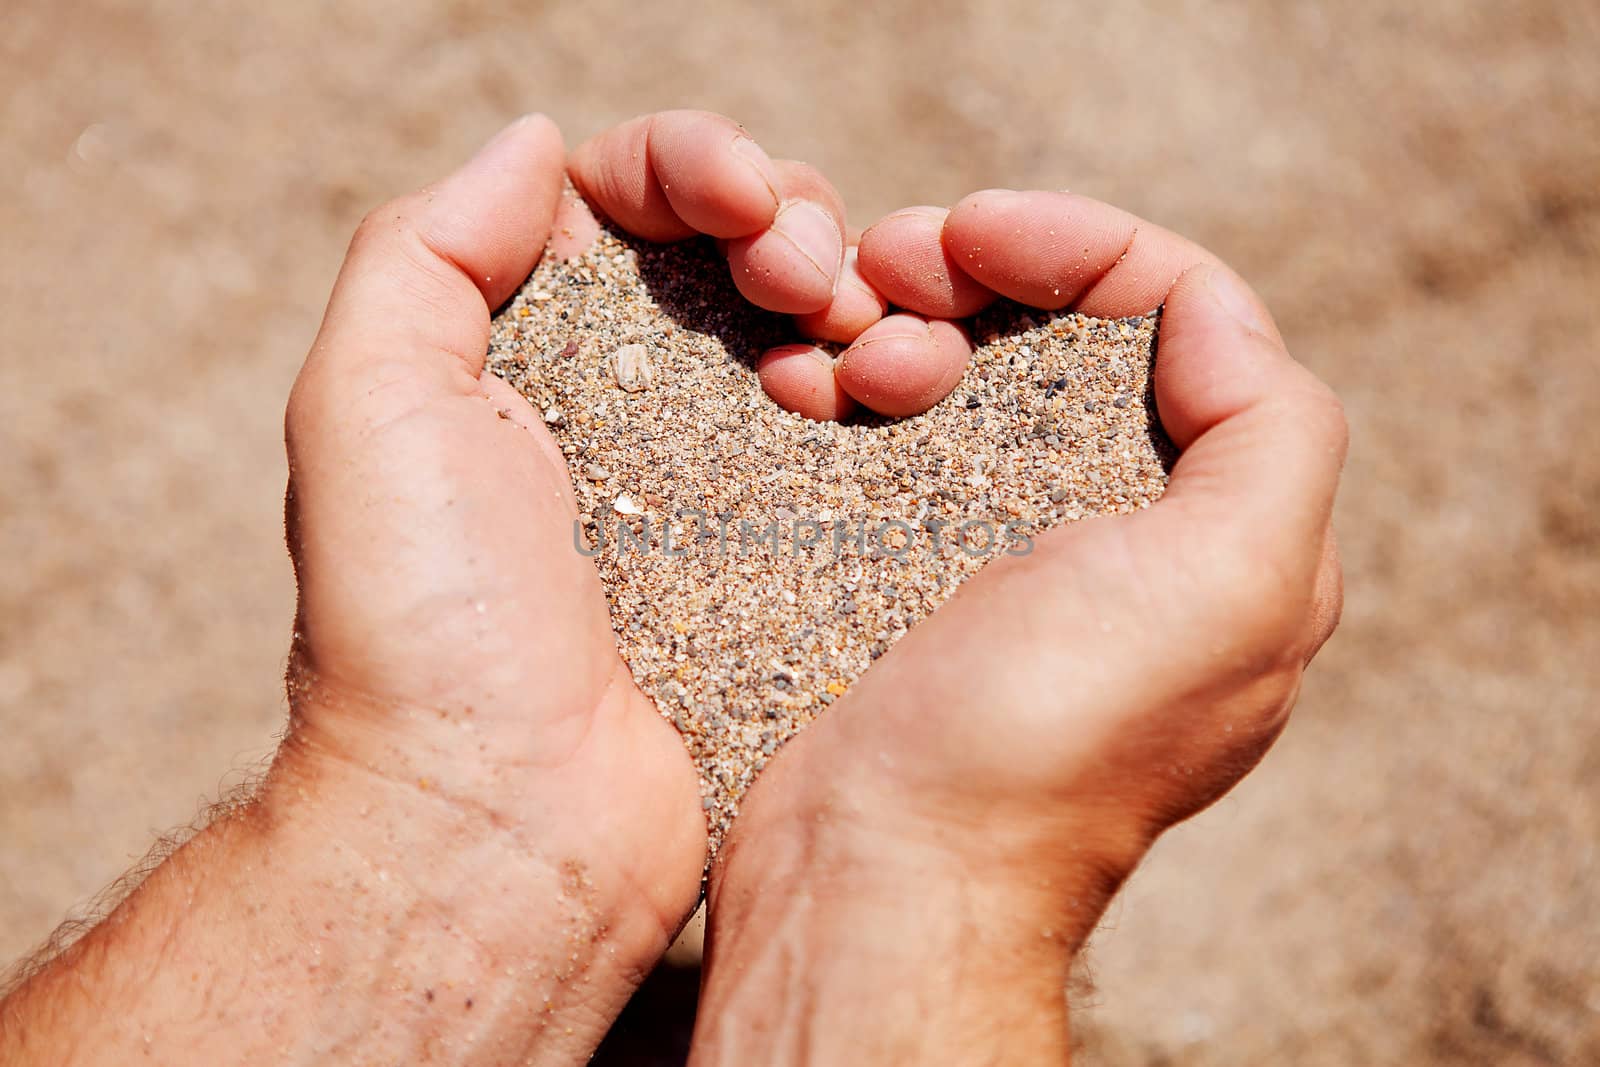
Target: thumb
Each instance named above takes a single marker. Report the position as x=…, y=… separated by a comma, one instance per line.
x=408, y=321
x=1262, y=444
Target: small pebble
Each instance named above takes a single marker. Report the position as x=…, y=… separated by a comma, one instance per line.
x=596, y=473
x=631, y=365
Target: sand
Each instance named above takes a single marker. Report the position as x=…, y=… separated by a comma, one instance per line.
x=1407, y=878
x=757, y=562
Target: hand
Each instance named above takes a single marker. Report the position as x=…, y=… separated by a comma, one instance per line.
x=955, y=825
x=478, y=835
x=454, y=653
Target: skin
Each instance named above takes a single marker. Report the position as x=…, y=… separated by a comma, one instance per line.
x=478, y=835
x=910, y=879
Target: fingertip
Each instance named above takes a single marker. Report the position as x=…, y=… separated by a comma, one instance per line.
x=492, y=216
x=426, y=309
x=800, y=378
x=1219, y=353
x=855, y=306
x=904, y=258
x=535, y=128
x=541, y=125
x=905, y=364
x=1043, y=249
x=615, y=174
x=1239, y=299
x=528, y=150
x=718, y=180
x=798, y=180
x=1261, y=439
x=575, y=229
x=793, y=266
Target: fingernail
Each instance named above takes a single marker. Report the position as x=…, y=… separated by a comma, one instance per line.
x=492, y=147
x=1237, y=300
x=899, y=328
x=756, y=156
x=821, y=358
x=813, y=232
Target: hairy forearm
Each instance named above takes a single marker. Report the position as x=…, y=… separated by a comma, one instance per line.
x=833, y=944
x=340, y=919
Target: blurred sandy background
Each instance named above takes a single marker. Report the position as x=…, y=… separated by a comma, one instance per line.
x=1414, y=875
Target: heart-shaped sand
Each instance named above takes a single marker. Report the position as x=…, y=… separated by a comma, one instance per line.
x=757, y=562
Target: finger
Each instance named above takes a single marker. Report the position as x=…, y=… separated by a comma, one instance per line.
x=1263, y=443
x=397, y=442
x=668, y=176
x=408, y=321
x=802, y=181
x=794, y=265
x=800, y=378
x=673, y=174
x=903, y=256
x=855, y=306
x=905, y=364
x=1053, y=250
x=575, y=229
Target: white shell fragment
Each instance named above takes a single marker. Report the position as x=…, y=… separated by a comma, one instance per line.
x=631, y=364
x=625, y=505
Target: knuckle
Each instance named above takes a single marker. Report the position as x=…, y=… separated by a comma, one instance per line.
x=381, y=222
x=1324, y=414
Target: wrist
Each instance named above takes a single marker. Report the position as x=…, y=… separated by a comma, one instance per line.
x=352, y=911
x=282, y=933
x=447, y=800
x=504, y=906
x=853, y=967
x=486, y=870
x=903, y=940
x=432, y=929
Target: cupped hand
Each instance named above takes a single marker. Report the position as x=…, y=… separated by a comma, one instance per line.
x=1030, y=740
x=1147, y=659
x=458, y=702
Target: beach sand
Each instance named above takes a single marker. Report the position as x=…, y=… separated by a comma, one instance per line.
x=757, y=562
x=1408, y=877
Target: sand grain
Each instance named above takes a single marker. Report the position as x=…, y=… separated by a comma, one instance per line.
x=756, y=562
